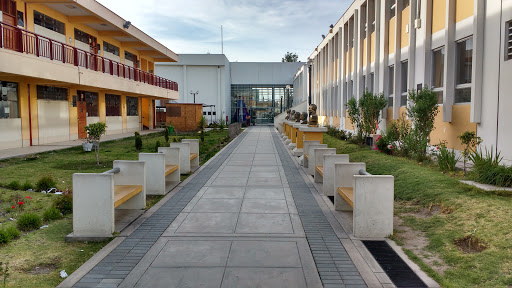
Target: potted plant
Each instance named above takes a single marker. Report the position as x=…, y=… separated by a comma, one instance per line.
x=87, y=145
x=94, y=132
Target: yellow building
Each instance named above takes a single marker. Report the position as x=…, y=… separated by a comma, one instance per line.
x=68, y=63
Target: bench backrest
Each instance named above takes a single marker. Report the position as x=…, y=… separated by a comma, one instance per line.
x=194, y=145
x=314, y=146
x=344, y=173
x=307, y=143
x=319, y=155
x=172, y=155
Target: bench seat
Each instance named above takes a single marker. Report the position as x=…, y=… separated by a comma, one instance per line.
x=193, y=156
x=347, y=193
x=123, y=193
x=170, y=168
x=320, y=170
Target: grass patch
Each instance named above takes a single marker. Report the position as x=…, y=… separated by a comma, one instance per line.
x=464, y=210
x=37, y=257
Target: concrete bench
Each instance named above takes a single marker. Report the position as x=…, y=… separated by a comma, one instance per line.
x=97, y=195
x=318, y=154
x=185, y=162
x=370, y=197
x=328, y=171
x=162, y=170
x=306, y=151
x=310, y=170
x=194, y=153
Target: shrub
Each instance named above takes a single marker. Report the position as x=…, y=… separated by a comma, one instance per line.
x=470, y=141
x=14, y=185
x=166, y=134
x=201, y=125
x=138, y=141
x=29, y=221
x=157, y=144
x=64, y=204
x=51, y=213
x=27, y=186
x=370, y=106
x=446, y=159
x=487, y=168
x=45, y=183
x=355, y=117
x=8, y=233
x=94, y=132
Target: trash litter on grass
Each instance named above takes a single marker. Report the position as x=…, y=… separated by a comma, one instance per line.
x=44, y=226
x=63, y=274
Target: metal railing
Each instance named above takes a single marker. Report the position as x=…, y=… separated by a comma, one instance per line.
x=113, y=171
x=24, y=41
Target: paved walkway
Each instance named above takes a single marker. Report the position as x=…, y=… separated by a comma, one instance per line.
x=248, y=218
x=24, y=151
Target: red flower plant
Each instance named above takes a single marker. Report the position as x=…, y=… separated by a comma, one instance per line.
x=13, y=206
x=28, y=197
x=20, y=203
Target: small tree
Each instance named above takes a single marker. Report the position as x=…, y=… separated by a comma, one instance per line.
x=290, y=57
x=354, y=114
x=200, y=126
x=138, y=141
x=422, y=112
x=470, y=141
x=166, y=134
x=222, y=122
x=370, y=106
x=94, y=132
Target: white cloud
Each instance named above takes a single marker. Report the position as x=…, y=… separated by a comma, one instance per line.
x=253, y=30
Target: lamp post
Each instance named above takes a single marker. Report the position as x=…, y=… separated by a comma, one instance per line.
x=194, y=93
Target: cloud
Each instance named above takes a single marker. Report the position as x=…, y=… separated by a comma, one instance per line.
x=254, y=31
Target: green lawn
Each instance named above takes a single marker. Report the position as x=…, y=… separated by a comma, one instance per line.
x=37, y=257
x=464, y=210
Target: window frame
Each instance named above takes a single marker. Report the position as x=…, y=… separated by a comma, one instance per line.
x=49, y=23
x=463, y=86
x=402, y=92
x=391, y=86
x=110, y=108
x=7, y=101
x=508, y=41
x=129, y=111
x=107, y=47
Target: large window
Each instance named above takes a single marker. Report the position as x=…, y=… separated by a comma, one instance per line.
x=403, y=82
x=132, y=106
x=130, y=56
x=391, y=85
x=107, y=47
x=464, y=71
x=52, y=93
x=438, y=73
x=48, y=22
x=9, y=105
x=91, y=101
x=113, y=105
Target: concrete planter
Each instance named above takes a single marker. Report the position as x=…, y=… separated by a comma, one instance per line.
x=87, y=146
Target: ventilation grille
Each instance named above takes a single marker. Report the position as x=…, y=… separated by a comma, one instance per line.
x=509, y=41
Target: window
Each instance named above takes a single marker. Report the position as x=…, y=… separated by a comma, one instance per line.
x=464, y=71
x=131, y=57
x=132, y=106
x=21, y=19
x=508, y=41
x=113, y=105
x=8, y=7
x=391, y=85
x=9, y=105
x=107, y=47
x=403, y=82
x=52, y=93
x=91, y=101
x=48, y=22
x=438, y=73
x=392, y=13
x=204, y=113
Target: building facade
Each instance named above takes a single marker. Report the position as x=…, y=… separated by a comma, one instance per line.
x=236, y=91
x=66, y=64
x=462, y=49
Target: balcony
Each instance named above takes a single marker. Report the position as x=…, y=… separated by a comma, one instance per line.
x=20, y=40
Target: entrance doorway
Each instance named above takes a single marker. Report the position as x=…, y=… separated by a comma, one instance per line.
x=82, y=115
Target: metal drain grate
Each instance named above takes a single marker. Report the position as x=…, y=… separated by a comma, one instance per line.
x=397, y=270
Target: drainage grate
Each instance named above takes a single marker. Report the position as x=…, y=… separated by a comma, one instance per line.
x=397, y=270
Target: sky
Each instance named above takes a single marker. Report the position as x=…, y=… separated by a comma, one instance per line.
x=254, y=31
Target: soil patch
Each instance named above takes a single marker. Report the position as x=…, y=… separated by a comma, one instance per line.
x=416, y=241
x=470, y=244
x=43, y=269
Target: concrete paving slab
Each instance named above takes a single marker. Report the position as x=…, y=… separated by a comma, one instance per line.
x=263, y=277
x=264, y=206
x=264, y=193
x=217, y=205
x=193, y=254
x=264, y=223
x=264, y=254
x=265, y=181
x=208, y=222
x=224, y=192
x=240, y=182
x=207, y=277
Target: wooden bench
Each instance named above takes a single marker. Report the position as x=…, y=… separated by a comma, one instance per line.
x=162, y=170
x=170, y=168
x=369, y=197
x=194, y=153
x=328, y=171
x=305, y=151
x=96, y=197
x=316, y=159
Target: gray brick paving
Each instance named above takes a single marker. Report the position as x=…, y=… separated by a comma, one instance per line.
x=330, y=256
x=120, y=262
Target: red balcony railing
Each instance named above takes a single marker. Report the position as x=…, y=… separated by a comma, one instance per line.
x=23, y=41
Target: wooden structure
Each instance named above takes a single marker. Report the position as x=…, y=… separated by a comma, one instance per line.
x=184, y=116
